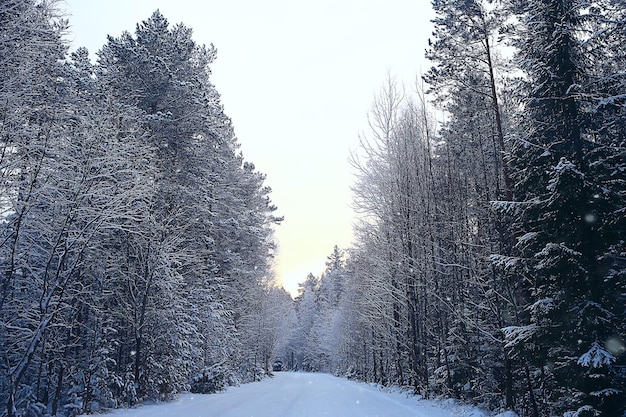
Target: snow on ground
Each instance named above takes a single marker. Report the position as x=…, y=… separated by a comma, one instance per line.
x=291, y=394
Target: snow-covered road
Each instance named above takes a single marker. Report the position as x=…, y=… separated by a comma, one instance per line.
x=297, y=395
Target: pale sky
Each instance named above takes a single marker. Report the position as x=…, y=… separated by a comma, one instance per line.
x=297, y=78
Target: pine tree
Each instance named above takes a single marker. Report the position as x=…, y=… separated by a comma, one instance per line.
x=467, y=81
x=130, y=221
x=464, y=53
x=212, y=210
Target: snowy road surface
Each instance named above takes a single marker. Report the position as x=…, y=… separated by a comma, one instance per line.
x=297, y=395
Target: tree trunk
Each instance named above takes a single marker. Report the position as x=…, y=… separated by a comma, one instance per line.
x=498, y=119
x=58, y=390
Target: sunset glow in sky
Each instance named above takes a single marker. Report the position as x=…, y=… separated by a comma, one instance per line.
x=297, y=78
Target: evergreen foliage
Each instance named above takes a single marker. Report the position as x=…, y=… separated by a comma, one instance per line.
x=490, y=257
x=568, y=212
x=489, y=262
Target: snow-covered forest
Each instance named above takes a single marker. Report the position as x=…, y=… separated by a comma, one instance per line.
x=489, y=265
x=136, y=242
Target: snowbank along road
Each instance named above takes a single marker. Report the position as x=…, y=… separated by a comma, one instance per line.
x=295, y=395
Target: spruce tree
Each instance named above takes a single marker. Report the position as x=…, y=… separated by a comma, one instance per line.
x=565, y=220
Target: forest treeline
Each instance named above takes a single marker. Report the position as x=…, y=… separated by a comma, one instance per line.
x=490, y=259
x=490, y=256
x=135, y=241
